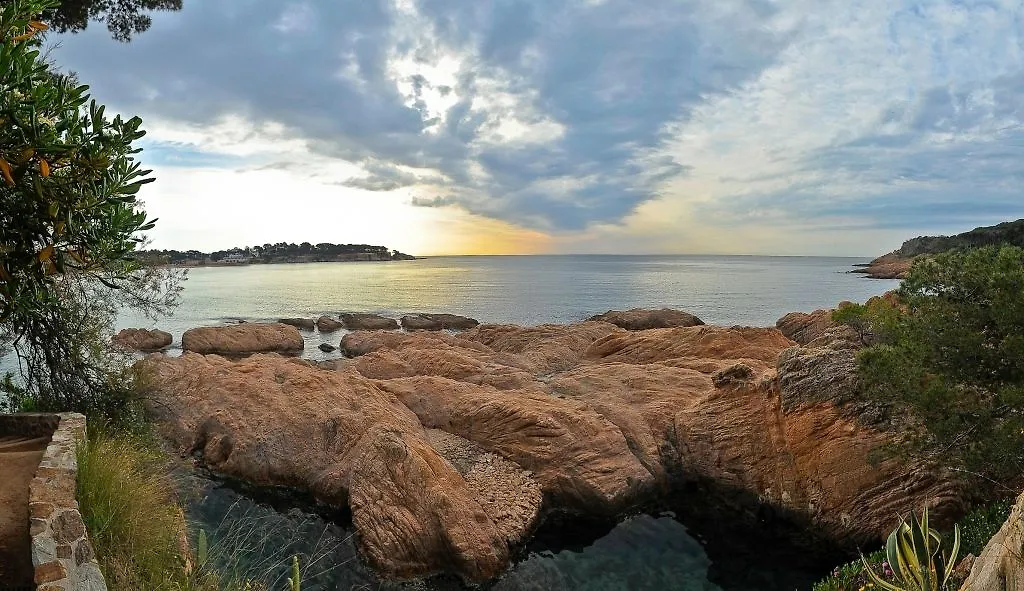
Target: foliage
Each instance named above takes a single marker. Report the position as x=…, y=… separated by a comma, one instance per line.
x=271, y=253
x=981, y=524
x=952, y=360
x=124, y=18
x=915, y=555
x=1011, y=233
x=851, y=576
x=69, y=227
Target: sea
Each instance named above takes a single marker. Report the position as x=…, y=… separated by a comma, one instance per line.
x=665, y=548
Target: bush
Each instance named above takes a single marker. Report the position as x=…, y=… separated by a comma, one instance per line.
x=978, y=526
x=951, y=359
x=70, y=224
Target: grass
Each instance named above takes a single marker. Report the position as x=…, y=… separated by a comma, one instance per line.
x=136, y=526
x=127, y=498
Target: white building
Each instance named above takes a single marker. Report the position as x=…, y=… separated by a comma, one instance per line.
x=236, y=258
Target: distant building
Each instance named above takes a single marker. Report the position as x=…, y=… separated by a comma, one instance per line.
x=236, y=258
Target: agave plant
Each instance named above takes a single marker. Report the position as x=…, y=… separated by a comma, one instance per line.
x=916, y=557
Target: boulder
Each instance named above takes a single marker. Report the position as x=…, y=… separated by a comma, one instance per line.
x=243, y=339
x=142, y=339
x=437, y=322
x=368, y=322
x=328, y=324
x=639, y=319
x=303, y=323
x=327, y=347
x=805, y=327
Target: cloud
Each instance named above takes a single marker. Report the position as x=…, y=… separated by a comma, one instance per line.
x=581, y=119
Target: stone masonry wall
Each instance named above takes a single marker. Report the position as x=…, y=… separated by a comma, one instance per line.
x=61, y=553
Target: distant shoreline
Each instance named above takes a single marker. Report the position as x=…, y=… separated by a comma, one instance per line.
x=265, y=263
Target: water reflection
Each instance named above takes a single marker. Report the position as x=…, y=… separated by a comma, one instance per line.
x=644, y=552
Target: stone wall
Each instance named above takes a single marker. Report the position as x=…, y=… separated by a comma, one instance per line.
x=61, y=552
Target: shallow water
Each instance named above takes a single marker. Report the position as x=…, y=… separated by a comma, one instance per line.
x=644, y=552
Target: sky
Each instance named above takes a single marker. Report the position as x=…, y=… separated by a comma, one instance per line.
x=797, y=127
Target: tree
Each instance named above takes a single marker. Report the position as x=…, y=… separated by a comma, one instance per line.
x=70, y=224
x=953, y=359
x=124, y=18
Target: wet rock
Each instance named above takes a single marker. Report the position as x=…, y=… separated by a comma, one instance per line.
x=302, y=323
x=327, y=347
x=437, y=322
x=368, y=322
x=640, y=319
x=328, y=324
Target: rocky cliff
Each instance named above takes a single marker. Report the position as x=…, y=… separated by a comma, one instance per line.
x=896, y=264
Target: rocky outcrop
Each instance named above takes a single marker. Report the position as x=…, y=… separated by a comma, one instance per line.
x=597, y=418
x=890, y=266
x=303, y=323
x=243, y=339
x=437, y=322
x=141, y=339
x=368, y=322
x=275, y=421
x=1001, y=564
x=805, y=327
x=638, y=319
x=328, y=324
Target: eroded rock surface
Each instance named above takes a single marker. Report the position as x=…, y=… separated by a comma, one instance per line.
x=805, y=327
x=368, y=322
x=142, y=339
x=242, y=339
x=328, y=324
x=437, y=322
x=591, y=417
x=1001, y=564
x=275, y=421
x=303, y=323
x=640, y=319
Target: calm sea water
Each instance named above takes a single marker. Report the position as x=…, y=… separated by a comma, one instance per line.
x=528, y=290
x=644, y=552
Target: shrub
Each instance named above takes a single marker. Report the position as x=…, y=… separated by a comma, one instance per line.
x=70, y=224
x=951, y=359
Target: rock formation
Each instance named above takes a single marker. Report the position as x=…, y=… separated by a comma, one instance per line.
x=242, y=339
x=328, y=324
x=593, y=418
x=437, y=322
x=142, y=339
x=1001, y=564
x=889, y=266
x=638, y=319
x=805, y=327
x=368, y=322
x=303, y=323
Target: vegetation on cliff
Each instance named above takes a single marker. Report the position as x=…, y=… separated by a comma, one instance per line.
x=1009, y=233
x=950, y=356
x=281, y=252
